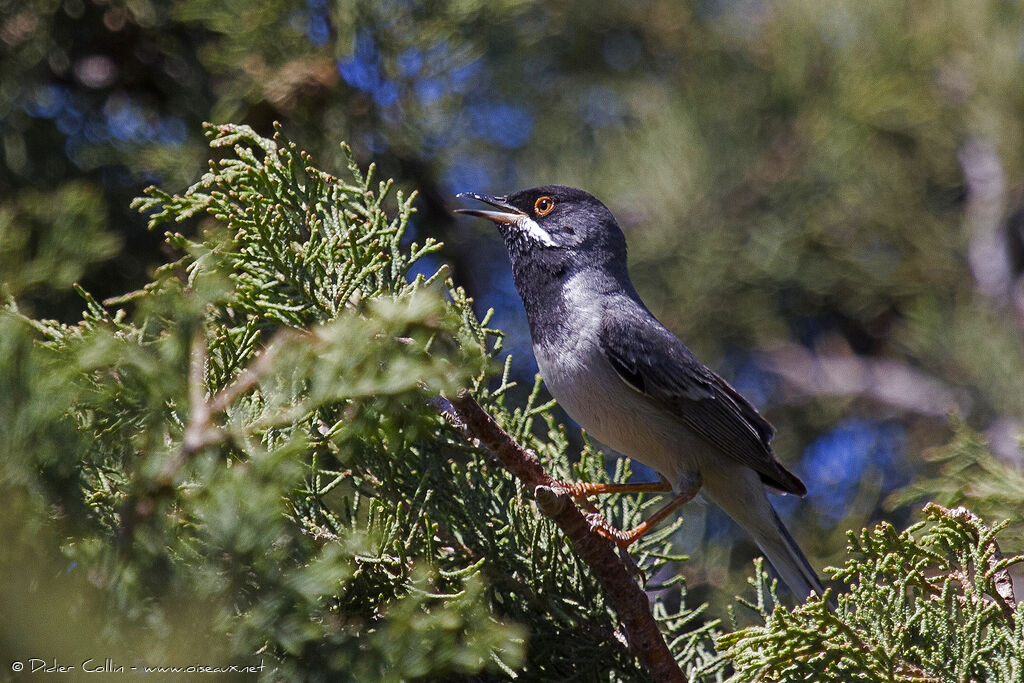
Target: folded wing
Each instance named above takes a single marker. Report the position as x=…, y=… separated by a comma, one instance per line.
x=653, y=361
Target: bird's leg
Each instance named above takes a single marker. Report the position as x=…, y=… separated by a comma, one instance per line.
x=624, y=539
x=581, y=489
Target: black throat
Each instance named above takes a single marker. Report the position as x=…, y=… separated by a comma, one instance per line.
x=539, y=274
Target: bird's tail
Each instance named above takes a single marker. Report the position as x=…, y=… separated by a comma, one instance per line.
x=789, y=561
x=756, y=515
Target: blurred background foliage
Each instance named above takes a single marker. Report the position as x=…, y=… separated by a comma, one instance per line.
x=825, y=200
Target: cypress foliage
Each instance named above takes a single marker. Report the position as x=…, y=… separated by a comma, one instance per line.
x=932, y=603
x=240, y=464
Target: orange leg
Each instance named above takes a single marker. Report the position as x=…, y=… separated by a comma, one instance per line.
x=581, y=489
x=624, y=539
x=586, y=488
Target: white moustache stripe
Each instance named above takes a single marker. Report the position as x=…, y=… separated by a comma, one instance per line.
x=534, y=231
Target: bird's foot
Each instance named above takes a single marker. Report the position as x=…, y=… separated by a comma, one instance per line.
x=581, y=489
x=622, y=540
x=602, y=527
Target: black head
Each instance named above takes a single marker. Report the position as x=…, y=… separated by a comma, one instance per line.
x=557, y=237
x=557, y=225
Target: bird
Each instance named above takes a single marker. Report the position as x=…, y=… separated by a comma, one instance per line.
x=630, y=382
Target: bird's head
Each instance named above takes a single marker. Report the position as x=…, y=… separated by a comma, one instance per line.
x=556, y=224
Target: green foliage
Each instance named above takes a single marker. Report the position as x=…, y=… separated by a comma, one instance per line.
x=242, y=466
x=925, y=604
x=966, y=472
x=48, y=240
x=253, y=469
x=845, y=177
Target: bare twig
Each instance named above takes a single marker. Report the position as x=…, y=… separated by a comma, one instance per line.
x=200, y=431
x=197, y=431
x=630, y=603
x=984, y=217
x=888, y=382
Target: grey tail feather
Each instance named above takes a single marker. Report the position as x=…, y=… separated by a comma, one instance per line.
x=789, y=561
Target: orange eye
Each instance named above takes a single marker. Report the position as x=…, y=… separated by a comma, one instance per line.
x=543, y=206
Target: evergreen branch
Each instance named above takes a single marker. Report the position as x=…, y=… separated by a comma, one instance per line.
x=631, y=603
x=335, y=511
x=304, y=472
x=995, y=566
x=932, y=603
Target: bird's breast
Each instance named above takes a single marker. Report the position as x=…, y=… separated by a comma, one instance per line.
x=585, y=384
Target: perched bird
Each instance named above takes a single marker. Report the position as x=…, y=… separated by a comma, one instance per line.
x=630, y=382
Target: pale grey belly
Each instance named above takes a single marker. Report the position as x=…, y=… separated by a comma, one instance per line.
x=588, y=388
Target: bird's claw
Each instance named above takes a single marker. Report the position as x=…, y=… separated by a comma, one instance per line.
x=622, y=541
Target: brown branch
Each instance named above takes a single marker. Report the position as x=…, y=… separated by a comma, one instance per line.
x=630, y=603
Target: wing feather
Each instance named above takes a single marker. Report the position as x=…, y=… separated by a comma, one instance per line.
x=655, y=363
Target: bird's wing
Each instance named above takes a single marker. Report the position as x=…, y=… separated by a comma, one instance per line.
x=652, y=361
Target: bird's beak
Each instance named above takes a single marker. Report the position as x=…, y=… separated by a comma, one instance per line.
x=511, y=215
